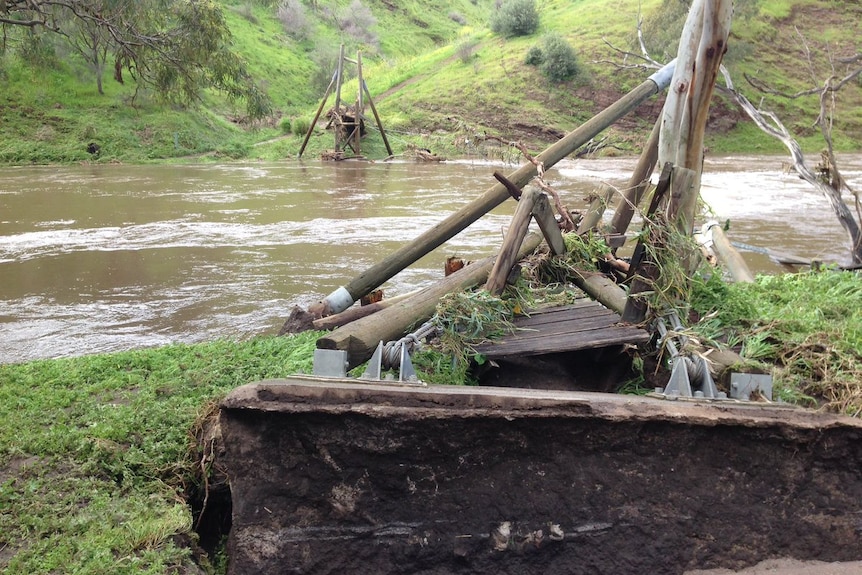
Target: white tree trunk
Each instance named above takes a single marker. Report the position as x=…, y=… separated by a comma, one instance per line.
x=683, y=122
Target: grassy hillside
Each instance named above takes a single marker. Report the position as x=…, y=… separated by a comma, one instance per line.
x=438, y=76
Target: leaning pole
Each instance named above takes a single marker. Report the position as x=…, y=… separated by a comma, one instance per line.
x=373, y=277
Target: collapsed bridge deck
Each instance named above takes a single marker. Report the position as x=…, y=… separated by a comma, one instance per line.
x=338, y=476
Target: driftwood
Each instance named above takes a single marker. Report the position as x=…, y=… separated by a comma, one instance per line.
x=360, y=338
x=727, y=253
x=343, y=297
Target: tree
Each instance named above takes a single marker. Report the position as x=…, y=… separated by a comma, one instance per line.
x=177, y=47
x=826, y=178
x=89, y=40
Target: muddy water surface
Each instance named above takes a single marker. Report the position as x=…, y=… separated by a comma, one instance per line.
x=104, y=258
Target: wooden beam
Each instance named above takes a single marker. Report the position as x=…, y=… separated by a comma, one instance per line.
x=596, y=210
x=343, y=297
x=548, y=224
x=509, y=251
x=637, y=184
x=379, y=127
x=316, y=116
x=360, y=338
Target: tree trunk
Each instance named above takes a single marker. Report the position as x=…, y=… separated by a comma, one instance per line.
x=701, y=48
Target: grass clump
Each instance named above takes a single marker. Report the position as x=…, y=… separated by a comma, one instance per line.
x=97, y=455
x=808, y=325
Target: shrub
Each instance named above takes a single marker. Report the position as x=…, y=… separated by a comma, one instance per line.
x=357, y=21
x=515, y=18
x=534, y=56
x=559, y=61
x=37, y=50
x=466, y=49
x=291, y=14
x=300, y=126
x=284, y=125
x=246, y=11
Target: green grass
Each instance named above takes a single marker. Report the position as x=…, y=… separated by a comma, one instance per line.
x=98, y=453
x=807, y=328
x=427, y=94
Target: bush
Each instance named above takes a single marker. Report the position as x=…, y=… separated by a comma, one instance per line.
x=559, y=61
x=466, y=49
x=515, y=18
x=300, y=126
x=284, y=125
x=291, y=14
x=357, y=21
x=246, y=11
x=534, y=56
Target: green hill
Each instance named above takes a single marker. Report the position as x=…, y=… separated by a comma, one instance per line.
x=438, y=76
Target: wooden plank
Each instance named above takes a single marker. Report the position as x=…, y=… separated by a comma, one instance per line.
x=567, y=342
x=561, y=323
x=573, y=313
x=585, y=325
x=509, y=252
x=544, y=216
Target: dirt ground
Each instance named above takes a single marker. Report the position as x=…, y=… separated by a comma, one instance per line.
x=331, y=477
x=790, y=567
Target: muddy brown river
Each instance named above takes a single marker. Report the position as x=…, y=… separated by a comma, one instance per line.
x=111, y=257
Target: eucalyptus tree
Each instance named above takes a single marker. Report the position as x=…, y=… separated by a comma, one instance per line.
x=178, y=48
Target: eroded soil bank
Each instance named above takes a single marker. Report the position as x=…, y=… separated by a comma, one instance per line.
x=356, y=478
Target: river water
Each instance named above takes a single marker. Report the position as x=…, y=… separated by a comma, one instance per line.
x=109, y=257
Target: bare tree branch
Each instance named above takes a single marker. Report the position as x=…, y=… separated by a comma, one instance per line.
x=831, y=189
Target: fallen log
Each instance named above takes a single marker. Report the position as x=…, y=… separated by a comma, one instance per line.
x=360, y=338
x=343, y=297
x=354, y=313
x=727, y=253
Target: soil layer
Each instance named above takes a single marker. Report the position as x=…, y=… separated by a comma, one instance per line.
x=337, y=477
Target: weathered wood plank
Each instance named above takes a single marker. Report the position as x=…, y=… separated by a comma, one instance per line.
x=586, y=325
x=566, y=342
x=560, y=323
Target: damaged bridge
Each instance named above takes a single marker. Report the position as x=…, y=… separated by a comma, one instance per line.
x=347, y=477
